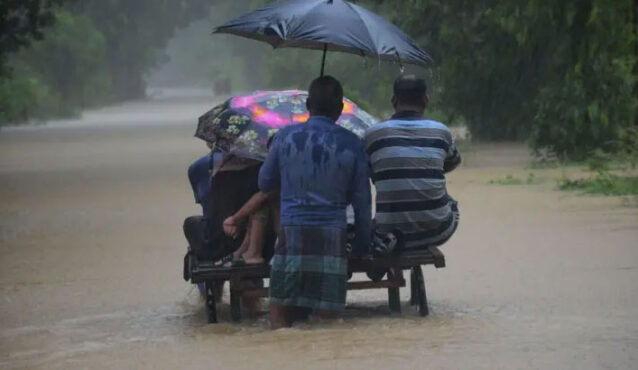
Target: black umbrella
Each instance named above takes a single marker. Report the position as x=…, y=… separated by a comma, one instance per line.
x=327, y=25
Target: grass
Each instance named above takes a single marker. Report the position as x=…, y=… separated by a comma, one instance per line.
x=512, y=180
x=604, y=183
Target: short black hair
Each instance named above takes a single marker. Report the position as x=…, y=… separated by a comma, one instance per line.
x=325, y=96
x=410, y=89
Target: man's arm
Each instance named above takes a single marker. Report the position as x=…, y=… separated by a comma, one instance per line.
x=366, y=148
x=232, y=223
x=453, y=156
x=362, y=205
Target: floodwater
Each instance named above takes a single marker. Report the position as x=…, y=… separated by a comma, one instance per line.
x=91, y=251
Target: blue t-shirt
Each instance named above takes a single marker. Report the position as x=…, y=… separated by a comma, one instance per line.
x=320, y=168
x=199, y=175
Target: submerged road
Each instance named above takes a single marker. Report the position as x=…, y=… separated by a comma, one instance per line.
x=91, y=250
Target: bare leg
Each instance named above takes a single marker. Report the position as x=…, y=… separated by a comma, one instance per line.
x=253, y=254
x=279, y=316
x=251, y=304
x=242, y=248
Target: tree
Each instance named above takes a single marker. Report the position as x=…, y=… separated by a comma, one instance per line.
x=58, y=75
x=136, y=31
x=21, y=22
x=561, y=73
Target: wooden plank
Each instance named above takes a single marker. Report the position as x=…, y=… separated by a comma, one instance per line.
x=353, y=285
x=361, y=285
x=201, y=271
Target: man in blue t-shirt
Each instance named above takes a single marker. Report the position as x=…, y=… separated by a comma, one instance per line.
x=318, y=168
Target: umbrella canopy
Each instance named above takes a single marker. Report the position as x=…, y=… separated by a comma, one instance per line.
x=327, y=25
x=242, y=125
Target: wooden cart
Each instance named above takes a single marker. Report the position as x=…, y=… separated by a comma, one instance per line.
x=205, y=272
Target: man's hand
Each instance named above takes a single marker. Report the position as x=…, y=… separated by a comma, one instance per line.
x=231, y=226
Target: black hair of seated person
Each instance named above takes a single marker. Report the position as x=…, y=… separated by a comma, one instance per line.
x=269, y=142
x=410, y=90
x=325, y=97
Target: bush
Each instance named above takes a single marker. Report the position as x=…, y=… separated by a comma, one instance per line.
x=604, y=183
x=24, y=97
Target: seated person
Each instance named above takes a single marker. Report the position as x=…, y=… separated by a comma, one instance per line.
x=409, y=157
x=262, y=213
x=199, y=176
x=234, y=182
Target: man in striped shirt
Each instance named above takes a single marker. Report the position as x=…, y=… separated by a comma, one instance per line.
x=409, y=157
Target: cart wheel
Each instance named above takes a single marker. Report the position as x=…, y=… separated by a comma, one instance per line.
x=422, y=299
x=211, y=308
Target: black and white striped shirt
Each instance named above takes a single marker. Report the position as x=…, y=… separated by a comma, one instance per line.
x=409, y=157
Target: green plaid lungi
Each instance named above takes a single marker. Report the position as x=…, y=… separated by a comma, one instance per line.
x=309, y=268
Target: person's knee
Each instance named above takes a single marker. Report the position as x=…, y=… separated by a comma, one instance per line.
x=190, y=221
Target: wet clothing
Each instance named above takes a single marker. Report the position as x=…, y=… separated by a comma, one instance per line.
x=199, y=174
x=195, y=232
x=309, y=268
x=409, y=157
x=230, y=191
x=319, y=168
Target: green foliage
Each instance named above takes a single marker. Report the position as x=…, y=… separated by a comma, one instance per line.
x=627, y=146
x=135, y=31
x=589, y=98
x=561, y=74
x=24, y=97
x=21, y=22
x=561, y=71
x=97, y=52
x=57, y=75
x=604, y=183
x=512, y=180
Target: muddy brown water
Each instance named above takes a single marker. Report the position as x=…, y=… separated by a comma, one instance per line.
x=91, y=249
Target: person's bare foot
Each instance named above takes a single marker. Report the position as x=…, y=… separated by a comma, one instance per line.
x=279, y=316
x=252, y=260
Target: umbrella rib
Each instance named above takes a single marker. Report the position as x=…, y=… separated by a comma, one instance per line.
x=367, y=28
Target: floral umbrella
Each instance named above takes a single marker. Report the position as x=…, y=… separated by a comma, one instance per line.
x=243, y=124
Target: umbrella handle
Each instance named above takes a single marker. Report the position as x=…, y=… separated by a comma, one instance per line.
x=323, y=61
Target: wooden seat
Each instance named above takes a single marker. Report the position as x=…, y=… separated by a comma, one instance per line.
x=205, y=272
